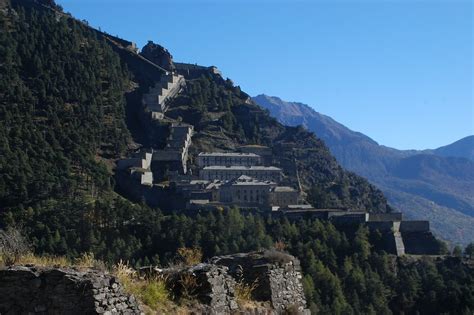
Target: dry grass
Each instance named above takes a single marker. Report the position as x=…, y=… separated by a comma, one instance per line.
x=44, y=261
x=244, y=290
x=189, y=256
x=85, y=261
x=189, y=286
x=279, y=246
x=151, y=292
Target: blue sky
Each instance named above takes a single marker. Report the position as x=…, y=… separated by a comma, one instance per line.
x=400, y=71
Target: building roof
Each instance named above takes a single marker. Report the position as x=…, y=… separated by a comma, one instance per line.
x=236, y=154
x=244, y=180
x=198, y=181
x=199, y=201
x=242, y=168
x=254, y=146
x=214, y=185
x=284, y=189
x=305, y=206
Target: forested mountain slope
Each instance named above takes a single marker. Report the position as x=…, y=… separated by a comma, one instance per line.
x=64, y=122
x=62, y=109
x=421, y=184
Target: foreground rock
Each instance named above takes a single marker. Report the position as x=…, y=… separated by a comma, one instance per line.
x=34, y=290
x=275, y=279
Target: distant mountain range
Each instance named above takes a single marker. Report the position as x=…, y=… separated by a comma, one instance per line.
x=437, y=184
x=461, y=148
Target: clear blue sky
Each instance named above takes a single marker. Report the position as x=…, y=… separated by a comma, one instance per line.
x=400, y=71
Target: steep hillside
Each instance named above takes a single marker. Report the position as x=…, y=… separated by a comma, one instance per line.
x=61, y=106
x=421, y=184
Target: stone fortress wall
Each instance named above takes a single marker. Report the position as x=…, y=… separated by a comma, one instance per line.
x=276, y=277
x=157, y=97
x=31, y=290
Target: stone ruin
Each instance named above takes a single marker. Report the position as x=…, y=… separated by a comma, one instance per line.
x=275, y=276
x=35, y=290
x=209, y=284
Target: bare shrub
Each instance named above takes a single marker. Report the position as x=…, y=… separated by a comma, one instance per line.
x=244, y=290
x=189, y=285
x=279, y=246
x=87, y=260
x=190, y=256
x=13, y=245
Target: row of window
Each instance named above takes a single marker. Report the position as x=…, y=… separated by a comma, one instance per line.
x=229, y=175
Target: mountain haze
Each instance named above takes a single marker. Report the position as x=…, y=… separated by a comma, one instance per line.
x=432, y=184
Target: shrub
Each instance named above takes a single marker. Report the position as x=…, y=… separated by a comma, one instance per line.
x=280, y=246
x=152, y=292
x=13, y=246
x=243, y=290
x=189, y=285
x=87, y=260
x=190, y=256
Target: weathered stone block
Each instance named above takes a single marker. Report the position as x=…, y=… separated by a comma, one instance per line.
x=28, y=290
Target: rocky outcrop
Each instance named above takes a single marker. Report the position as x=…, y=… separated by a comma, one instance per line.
x=31, y=290
x=158, y=55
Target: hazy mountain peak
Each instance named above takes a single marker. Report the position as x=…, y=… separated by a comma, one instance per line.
x=296, y=113
x=461, y=148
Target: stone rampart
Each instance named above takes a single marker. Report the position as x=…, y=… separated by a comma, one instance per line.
x=414, y=226
x=396, y=216
x=382, y=226
x=31, y=290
